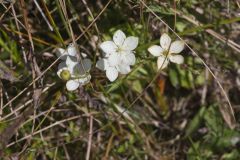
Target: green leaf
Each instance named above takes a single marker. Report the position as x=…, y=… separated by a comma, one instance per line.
x=214, y=120
x=159, y=9
x=173, y=75
x=195, y=122
x=200, y=80
x=181, y=26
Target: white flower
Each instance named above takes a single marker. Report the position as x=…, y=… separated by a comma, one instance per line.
x=70, y=51
x=167, y=51
x=75, y=73
x=119, y=55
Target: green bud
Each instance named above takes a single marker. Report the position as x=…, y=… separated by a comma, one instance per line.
x=65, y=75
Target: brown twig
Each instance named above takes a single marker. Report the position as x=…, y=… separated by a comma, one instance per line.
x=89, y=137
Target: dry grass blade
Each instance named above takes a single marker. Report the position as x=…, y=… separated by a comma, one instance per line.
x=43, y=15
x=95, y=19
x=5, y=12
x=89, y=137
x=20, y=36
x=91, y=14
x=34, y=38
x=23, y=7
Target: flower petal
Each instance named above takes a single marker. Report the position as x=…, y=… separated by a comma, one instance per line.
x=128, y=59
x=176, y=47
x=60, y=71
x=162, y=62
x=119, y=37
x=84, y=80
x=112, y=73
x=81, y=68
x=62, y=65
x=176, y=59
x=71, y=62
x=102, y=64
x=72, y=85
x=114, y=59
x=62, y=53
x=108, y=47
x=124, y=69
x=72, y=50
x=130, y=43
x=78, y=70
x=155, y=50
x=165, y=41
x=84, y=55
x=87, y=63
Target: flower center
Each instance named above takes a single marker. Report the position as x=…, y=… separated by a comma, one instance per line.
x=120, y=50
x=166, y=53
x=65, y=75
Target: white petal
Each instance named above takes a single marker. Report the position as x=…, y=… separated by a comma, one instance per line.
x=112, y=73
x=128, y=59
x=62, y=65
x=62, y=53
x=130, y=43
x=155, y=50
x=119, y=37
x=71, y=62
x=114, y=59
x=124, y=69
x=87, y=63
x=102, y=64
x=60, y=70
x=59, y=73
x=165, y=41
x=162, y=62
x=85, y=80
x=84, y=55
x=72, y=85
x=72, y=50
x=176, y=47
x=79, y=70
x=108, y=47
x=176, y=59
